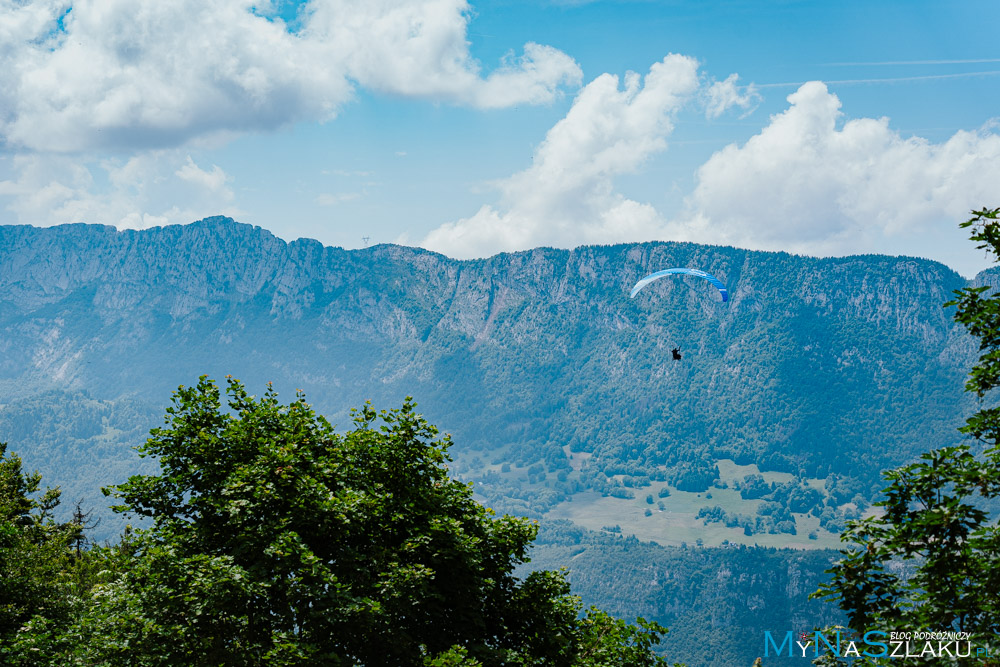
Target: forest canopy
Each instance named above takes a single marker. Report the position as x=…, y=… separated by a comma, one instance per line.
x=930, y=558
x=275, y=540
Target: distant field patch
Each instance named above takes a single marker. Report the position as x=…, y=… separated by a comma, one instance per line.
x=671, y=520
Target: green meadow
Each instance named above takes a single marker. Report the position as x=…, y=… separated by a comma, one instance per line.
x=676, y=524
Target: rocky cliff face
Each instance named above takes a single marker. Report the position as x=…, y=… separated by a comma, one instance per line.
x=814, y=366
x=813, y=363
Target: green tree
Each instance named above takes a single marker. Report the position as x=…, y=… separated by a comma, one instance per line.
x=276, y=540
x=34, y=548
x=931, y=560
x=608, y=642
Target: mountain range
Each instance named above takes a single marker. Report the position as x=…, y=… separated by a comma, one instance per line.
x=558, y=389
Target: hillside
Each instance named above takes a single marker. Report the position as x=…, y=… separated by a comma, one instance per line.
x=717, y=603
x=552, y=381
x=558, y=389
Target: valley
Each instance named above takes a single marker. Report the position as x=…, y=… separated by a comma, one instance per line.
x=558, y=391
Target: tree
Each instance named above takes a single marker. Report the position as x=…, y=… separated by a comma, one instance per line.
x=34, y=548
x=275, y=540
x=931, y=561
x=607, y=642
x=82, y=522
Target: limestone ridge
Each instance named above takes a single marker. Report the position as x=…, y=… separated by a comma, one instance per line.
x=823, y=365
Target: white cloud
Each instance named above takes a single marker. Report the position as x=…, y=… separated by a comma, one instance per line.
x=803, y=184
x=85, y=79
x=566, y=197
x=724, y=95
x=212, y=181
x=332, y=199
x=86, y=75
x=151, y=74
x=808, y=182
x=421, y=48
x=140, y=192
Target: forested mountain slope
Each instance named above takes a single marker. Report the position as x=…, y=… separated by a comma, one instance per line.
x=558, y=389
x=717, y=603
x=551, y=380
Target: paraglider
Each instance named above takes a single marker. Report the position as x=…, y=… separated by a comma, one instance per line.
x=690, y=272
x=676, y=352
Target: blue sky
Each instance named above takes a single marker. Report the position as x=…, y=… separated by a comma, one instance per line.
x=824, y=128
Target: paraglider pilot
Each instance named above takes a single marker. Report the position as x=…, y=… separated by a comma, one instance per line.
x=677, y=353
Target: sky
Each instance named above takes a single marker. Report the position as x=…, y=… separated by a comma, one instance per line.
x=472, y=128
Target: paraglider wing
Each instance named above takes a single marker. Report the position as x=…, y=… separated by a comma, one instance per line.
x=690, y=272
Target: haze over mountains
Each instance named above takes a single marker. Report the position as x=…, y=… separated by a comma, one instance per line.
x=558, y=389
x=815, y=367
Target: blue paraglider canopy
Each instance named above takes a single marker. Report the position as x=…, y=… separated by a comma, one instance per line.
x=690, y=272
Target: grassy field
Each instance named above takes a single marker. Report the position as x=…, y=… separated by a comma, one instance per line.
x=676, y=524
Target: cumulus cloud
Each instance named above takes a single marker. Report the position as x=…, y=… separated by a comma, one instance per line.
x=332, y=199
x=212, y=181
x=83, y=75
x=420, y=48
x=137, y=193
x=566, y=196
x=807, y=183
x=721, y=96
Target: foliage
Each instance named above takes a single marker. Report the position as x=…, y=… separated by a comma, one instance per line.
x=34, y=549
x=610, y=642
x=524, y=355
x=717, y=602
x=542, y=351
x=931, y=560
x=276, y=540
x=83, y=443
